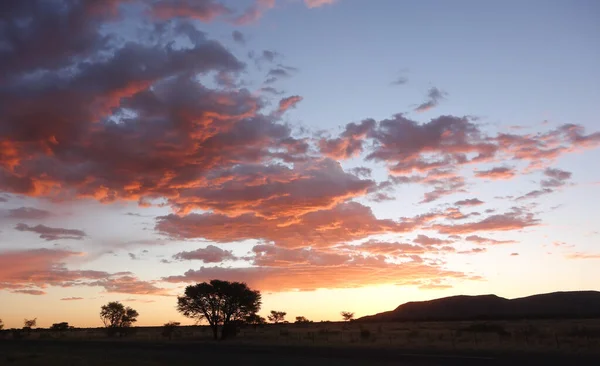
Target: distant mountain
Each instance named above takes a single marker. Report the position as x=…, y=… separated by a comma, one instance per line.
x=575, y=304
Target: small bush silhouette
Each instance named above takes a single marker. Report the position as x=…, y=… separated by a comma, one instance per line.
x=347, y=315
x=302, y=320
x=29, y=323
x=61, y=327
x=169, y=329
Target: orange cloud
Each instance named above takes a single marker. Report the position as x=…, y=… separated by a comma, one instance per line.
x=367, y=272
x=322, y=228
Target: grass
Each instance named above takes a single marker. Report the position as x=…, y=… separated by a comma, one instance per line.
x=536, y=335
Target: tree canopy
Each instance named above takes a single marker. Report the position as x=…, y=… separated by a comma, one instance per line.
x=115, y=315
x=277, y=316
x=347, y=315
x=220, y=303
x=29, y=323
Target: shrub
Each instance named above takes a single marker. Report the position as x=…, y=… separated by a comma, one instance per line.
x=365, y=334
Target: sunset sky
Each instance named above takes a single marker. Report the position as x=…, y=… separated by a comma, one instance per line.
x=335, y=155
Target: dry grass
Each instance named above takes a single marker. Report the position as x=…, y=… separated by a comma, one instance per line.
x=535, y=335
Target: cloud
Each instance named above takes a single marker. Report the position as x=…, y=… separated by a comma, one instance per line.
x=29, y=292
x=318, y=3
x=427, y=241
x=469, y=202
x=238, y=37
x=350, y=142
x=358, y=273
x=289, y=102
x=210, y=254
x=556, y=178
x=71, y=298
x=400, y=81
x=514, y=220
x=129, y=285
x=274, y=191
x=535, y=194
x=51, y=233
x=579, y=255
x=28, y=213
x=323, y=228
x=37, y=268
x=434, y=95
x=254, y=12
x=497, y=173
x=482, y=240
x=204, y=10
x=361, y=171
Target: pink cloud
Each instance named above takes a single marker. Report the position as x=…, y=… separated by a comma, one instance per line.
x=204, y=10
x=289, y=102
x=318, y=3
x=498, y=173
x=502, y=222
x=359, y=273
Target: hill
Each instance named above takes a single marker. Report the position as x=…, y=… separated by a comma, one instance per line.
x=575, y=304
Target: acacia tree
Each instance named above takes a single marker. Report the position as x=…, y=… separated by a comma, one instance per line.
x=277, y=316
x=302, y=320
x=220, y=303
x=1, y=324
x=115, y=316
x=347, y=315
x=255, y=319
x=29, y=323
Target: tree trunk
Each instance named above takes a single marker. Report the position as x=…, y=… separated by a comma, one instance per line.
x=215, y=329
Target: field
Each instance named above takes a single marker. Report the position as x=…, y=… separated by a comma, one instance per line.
x=566, y=337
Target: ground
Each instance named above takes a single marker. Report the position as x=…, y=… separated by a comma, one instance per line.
x=566, y=342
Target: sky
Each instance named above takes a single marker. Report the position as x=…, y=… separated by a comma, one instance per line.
x=340, y=155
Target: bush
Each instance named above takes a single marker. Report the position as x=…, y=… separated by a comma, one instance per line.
x=169, y=329
x=365, y=334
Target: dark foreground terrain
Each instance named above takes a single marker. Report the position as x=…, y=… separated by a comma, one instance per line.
x=128, y=353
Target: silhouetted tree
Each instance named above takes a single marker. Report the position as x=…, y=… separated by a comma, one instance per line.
x=29, y=323
x=220, y=303
x=255, y=319
x=1, y=324
x=302, y=320
x=117, y=318
x=277, y=316
x=61, y=327
x=169, y=329
x=347, y=315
